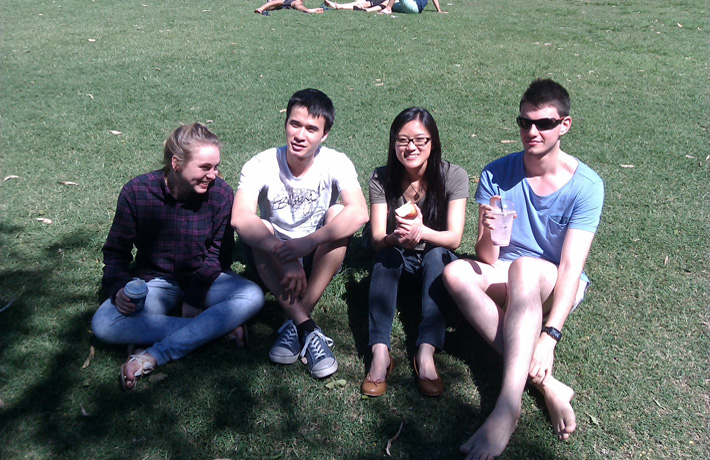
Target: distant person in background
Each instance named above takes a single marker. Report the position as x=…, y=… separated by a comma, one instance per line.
x=360, y=5
x=286, y=4
x=518, y=296
x=178, y=221
x=408, y=6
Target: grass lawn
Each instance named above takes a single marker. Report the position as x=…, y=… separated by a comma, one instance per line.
x=90, y=89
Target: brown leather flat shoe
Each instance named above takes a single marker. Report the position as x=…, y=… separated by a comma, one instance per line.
x=429, y=387
x=376, y=388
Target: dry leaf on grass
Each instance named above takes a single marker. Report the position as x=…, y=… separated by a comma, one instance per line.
x=627, y=166
x=159, y=377
x=87, y=382
x=10, y=177
x=83, y=411
x=336, y=383
x=114, y=132
x=282, y=111
x=66, y=182
x=44, y=220
x=690, y=156
x=389, y=441
x=508, y=141
x=474, y=179
x=665, y=262
x=92, y=40
x=593, y=419
x=92, y=353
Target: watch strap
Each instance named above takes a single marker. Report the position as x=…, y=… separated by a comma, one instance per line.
x=552, y=332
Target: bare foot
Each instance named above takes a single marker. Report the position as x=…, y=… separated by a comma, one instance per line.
x=316, y=10
x=385, y=11
x=490, y=440
x=330, y=4
x=558, y=399
x=259, y=11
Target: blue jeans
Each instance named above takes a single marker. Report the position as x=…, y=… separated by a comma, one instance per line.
x=231, y=301
x=390, y=263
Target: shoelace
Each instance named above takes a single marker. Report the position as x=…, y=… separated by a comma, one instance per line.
x=290, y=334
x=314, y=340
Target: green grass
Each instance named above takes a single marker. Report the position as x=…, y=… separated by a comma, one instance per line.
x=636, y=352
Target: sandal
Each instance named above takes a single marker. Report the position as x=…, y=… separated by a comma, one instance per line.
x=239, y=337
x=146, y=368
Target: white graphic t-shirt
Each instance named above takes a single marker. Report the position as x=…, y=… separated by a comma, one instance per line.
x=296, y=206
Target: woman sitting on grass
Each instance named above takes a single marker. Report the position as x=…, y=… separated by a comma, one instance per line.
x=416, y=242
x=178, y=219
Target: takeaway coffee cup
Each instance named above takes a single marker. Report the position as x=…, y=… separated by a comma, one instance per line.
x=503, y=215
x=136, y=290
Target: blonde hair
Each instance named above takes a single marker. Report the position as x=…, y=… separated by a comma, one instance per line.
x=184, y=141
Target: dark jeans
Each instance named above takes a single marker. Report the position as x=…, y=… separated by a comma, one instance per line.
x=390, y=264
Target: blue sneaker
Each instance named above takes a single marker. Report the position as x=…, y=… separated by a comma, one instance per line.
x=285, y=349
x=317, y=354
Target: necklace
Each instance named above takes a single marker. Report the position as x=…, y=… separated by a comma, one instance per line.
x=416, y=193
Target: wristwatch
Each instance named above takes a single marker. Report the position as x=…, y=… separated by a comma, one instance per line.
x=552, y=332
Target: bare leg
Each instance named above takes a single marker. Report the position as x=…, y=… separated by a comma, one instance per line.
x=268, y=6
x=298, y=5
x=388, y=8
x=346, y=6
x=472, y=287
x=326, y=261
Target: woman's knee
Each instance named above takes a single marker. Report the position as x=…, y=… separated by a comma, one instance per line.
x=103, y=320
x=389, y=257
x=438, y=258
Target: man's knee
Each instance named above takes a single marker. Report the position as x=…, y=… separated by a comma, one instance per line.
x=456, y=273
x=531, y=271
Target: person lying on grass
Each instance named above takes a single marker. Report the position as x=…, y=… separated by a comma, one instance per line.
x=417, y=216
x=369, y=6
x=408, y=6
x=286, y=4
x=178, y=220
x=298, y=240
x=518, y=296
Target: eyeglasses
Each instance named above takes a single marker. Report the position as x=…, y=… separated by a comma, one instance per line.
x=418, y=141
x=542, y=124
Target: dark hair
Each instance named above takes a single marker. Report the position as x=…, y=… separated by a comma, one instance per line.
x=184, y=141
x=317, y=104
x=434, y=208
x=545, y=92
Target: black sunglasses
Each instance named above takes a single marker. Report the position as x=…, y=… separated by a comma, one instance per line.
x=542, y=124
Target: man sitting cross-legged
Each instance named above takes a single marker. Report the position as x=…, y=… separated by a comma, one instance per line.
x=299, y=241
x=510, y=292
